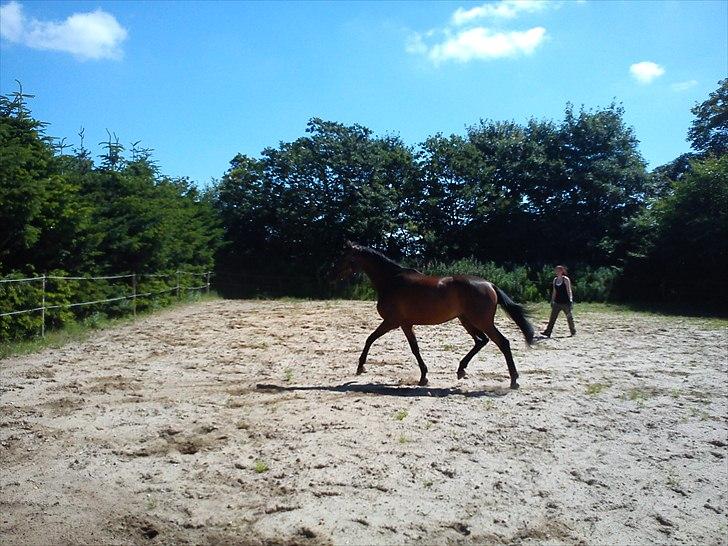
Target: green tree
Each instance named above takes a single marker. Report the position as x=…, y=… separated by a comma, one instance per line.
x=293, y=208
x=605, y=183
x=517, y=174
x=43, y=222
x=147, y=222
x=682, y=240
x=678, y=240
x=447, y=200
x=708, y=133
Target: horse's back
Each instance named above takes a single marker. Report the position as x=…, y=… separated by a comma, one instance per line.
x=424, y=299
x=474, y=291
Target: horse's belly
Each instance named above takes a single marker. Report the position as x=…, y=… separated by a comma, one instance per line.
x=429, y=311
x=431, y=301
x=432, y=319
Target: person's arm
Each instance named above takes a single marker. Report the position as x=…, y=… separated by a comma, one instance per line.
x=553, y=291
x=568, y=289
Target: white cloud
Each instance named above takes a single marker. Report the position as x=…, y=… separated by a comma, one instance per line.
x=505, y=9
x=483, y=43
x=11, y=21
x=90, y=35
x=683, y=86
x=463, y=39
x=416, y=45
x=646, y=71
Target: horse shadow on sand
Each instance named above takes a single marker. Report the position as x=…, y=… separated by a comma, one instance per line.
x=390, y=389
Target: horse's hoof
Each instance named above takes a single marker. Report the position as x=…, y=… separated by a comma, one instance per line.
x=462, y=374
x=514, y=385
x=360, y=371
x=423, y=382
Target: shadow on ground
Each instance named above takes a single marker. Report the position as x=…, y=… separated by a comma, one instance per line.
x=390, y=390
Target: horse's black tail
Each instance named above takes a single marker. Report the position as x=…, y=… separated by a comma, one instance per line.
x=517, y=313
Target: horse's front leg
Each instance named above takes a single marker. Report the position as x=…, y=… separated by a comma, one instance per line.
x=410, y=335
x=382, y=329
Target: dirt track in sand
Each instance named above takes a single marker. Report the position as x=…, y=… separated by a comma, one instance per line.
x=242, y=422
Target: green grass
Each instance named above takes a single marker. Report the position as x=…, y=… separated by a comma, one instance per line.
x=288, y=375
x=672, y=479
x=54, y=339
x=261, y=466
x=81, y=331
x=151, y=503
x=596, y=388
x=711, y=313
x=404, y=440
x=637, y=395
x=399, y=415
x=702, y=415
x=707, y=318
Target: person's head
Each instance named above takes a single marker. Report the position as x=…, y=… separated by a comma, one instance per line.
x=560, y=270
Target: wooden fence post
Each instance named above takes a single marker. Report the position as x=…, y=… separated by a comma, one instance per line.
x=42, y=311
x=178, y=284
x=207, y=288
x=134, y=292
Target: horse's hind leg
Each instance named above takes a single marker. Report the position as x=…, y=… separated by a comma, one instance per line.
x=382, y=329
x=480, y=339
x=505, y=346
x=410, y=335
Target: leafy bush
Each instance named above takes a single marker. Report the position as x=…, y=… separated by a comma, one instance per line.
x=16, y=297
x=361, y=289
x=62, y=292
x=61, y=213
x=522, y=283
x=515, y=281
x=595, y=284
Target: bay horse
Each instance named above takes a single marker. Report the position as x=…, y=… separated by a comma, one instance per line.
x=407, y=297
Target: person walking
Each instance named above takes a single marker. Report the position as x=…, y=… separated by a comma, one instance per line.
x=562, y=299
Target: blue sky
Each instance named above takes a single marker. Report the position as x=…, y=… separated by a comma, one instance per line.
x=201, y=81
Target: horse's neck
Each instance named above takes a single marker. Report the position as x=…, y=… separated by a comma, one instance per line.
x=379, y=271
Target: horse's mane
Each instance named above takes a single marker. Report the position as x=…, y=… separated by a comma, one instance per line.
x=375, y=254
x=387, y=262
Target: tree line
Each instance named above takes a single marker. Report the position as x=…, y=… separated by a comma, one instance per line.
x=62, y=213
x=506, y=200
x=576, y=191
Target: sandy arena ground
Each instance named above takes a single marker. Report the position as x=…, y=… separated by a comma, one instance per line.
x=170, y=430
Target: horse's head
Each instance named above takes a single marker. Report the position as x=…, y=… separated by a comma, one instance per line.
x=348, y=263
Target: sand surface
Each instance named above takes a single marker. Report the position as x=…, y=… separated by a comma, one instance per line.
x=243, y=422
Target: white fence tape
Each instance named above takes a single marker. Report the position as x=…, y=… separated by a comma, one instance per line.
x=196, y=287
x=85, y=303
x=133, y=296
x=23, y=311
x=29, y=279
x=89, y=278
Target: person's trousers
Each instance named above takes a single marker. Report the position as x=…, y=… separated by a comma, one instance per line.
x=556, y=308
